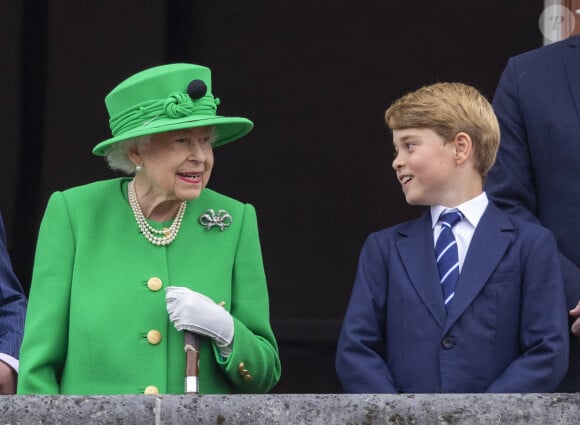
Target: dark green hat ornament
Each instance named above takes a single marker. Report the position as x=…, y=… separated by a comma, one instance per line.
x=165, y=98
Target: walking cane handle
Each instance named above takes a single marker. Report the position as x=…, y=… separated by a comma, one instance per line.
x=192, y=362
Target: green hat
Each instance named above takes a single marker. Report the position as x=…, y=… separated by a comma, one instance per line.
x=165, y=98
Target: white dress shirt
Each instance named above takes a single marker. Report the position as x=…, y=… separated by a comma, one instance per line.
x=472, y=210
x=10, y=361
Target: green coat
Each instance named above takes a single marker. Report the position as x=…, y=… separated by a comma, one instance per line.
x=91, y=308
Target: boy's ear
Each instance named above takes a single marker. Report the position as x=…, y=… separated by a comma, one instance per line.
x=463, y=147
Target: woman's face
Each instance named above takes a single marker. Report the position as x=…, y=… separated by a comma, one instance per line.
x=176, y=165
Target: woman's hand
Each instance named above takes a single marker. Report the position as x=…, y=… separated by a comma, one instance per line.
x=194, y=312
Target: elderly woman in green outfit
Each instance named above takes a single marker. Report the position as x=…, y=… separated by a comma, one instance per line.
x=123, y=265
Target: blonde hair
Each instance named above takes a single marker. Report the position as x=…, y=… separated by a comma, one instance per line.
x=448, y=109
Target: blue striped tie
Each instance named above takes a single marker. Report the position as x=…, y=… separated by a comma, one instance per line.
x=446, y=253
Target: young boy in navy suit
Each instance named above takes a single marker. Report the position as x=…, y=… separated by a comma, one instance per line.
x=476, y=306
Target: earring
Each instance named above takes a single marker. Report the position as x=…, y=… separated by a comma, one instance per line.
x=138, y=168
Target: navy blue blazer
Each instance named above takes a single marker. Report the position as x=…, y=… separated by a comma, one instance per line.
x=506, y=329
x=537, y=170
x=12, y=303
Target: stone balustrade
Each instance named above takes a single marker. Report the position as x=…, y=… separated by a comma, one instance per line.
x=295, y=409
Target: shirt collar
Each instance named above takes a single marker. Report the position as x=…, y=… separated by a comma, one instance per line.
x=472, y=210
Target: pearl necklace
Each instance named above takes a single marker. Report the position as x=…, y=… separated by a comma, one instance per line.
x=150, y=232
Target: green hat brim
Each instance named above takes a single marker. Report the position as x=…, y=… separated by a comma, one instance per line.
x=228, y=129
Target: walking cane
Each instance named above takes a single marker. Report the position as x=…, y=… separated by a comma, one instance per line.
x=192, y=362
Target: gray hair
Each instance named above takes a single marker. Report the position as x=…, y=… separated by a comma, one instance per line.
x=117, y=155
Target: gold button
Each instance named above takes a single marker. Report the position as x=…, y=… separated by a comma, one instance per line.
x=154, y=337
x=151, y=390
x=245, y=373
x=154, y=284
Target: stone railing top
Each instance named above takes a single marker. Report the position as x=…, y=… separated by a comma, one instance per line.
x=316, y=409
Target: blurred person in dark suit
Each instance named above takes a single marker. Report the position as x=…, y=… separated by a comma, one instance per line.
x=536, y=173
x=12, y=311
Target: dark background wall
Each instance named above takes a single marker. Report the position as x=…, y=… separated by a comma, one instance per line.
x=314, y=76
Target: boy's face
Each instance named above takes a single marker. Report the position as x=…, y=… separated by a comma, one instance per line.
x=425, y=166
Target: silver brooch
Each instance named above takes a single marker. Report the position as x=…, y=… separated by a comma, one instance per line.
x=209, y=219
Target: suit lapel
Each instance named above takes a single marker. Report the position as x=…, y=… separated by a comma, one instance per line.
x=490, y=241
x=571, y=56
x=417, y=253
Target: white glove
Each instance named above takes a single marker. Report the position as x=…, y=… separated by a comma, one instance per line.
x=199, y=314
